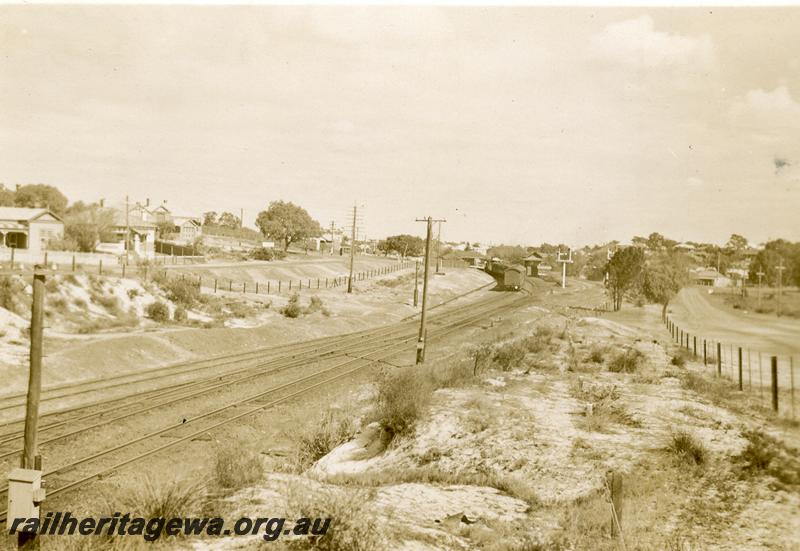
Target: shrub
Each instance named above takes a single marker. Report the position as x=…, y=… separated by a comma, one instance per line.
x=597, y=354
x=687, y=448
x=181, y=291
x=356, y=528
x=133, y=293
x=316, y=439
x=509, y=354
x=180, y=314
x=315, y=305
x=262, y=254
x=627, y=361
x=164, y=499
x=157, y=311
x=403, y=395
x=237, y=466
x=292, y=308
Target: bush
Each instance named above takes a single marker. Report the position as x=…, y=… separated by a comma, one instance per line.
x=180, y=314
x=316, y=306
x=597, y=354
x=317, y=439
x=237, y=466
x=356, y=528
x=403, y=395
x=627, y=361
x=157, y=311
x=133, y=293
x=687, y=448
x=262, y=254
x=292, y=308
x=66, y=244
x=163, y=499
x=181, y=291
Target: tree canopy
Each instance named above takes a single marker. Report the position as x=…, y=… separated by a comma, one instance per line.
x=664, y=275
x=403, y=244
x=624, y=272
x=287, y=222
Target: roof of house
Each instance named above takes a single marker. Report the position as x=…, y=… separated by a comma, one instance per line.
x=707, y=274
x=533, y=257
x=24, y=213
x=191, y=221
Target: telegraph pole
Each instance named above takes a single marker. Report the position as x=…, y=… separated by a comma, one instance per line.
x=127, y=229
x=780, y=267
x=35, y=374
x=760, y=274
x=438, y=248
x=426, y=271
x=352, y=250
x=331, y=237
x=564, y=259
x=416, y=283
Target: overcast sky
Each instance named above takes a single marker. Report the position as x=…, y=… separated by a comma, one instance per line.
x=518, y=125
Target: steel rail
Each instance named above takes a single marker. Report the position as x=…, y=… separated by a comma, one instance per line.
x=387, y=352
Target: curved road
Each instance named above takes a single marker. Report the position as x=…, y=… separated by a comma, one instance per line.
x=692, y=311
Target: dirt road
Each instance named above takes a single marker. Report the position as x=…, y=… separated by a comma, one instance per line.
x=694, y=312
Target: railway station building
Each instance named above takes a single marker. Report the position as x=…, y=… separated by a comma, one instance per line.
x=29, y=229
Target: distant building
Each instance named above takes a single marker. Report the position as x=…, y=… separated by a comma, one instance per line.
x=710, y=278
x=30, y=229
x=531, y=263
x=470, y=258
x=190, y=230
x=544, y=269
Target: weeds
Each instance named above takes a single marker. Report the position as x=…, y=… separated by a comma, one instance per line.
x=164, y=498
x=765, y=454
x=237, y=466
x=317, y=439
x=687, y=448
x=626, y=361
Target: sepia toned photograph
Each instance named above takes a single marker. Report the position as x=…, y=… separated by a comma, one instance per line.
x=406, y=277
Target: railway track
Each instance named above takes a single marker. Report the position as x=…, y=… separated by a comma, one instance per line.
x=362, y=351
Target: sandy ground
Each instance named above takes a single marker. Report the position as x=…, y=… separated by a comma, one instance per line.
x=371, y=304
x=693, y=310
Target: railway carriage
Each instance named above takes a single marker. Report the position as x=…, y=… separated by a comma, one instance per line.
x=514, y=277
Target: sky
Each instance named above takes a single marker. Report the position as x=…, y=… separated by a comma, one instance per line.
x=518, y=125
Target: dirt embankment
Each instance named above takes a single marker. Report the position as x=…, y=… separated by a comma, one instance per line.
x=516, y=456
x=374, y=302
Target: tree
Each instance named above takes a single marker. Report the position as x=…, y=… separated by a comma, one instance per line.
x=510, y=253
x=404, y=245
x=210, y=218
x=40, y=195
x=287, y=222
x=6, y=197
x=663, y=277
x=736, y=243
x=86, y=224
x=624, y=272
x=228, y=220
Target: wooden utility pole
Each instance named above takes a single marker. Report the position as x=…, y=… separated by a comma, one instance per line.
x=35, y=374
x=127, y=229
x=426, y=272
x=780, y=269
x=438, y=247
x=416, y=283
x=331, y=237
x=352, y=249
x=564, y=259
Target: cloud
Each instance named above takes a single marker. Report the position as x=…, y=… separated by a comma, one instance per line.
x=635, y=42
x=779, y=100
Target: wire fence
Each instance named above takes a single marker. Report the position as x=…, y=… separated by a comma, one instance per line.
x=769, y=377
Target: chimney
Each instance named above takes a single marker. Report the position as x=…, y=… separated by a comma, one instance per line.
x=147, y=202
x=102, y=203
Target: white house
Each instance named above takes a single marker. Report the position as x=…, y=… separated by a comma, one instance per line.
x=29, y=229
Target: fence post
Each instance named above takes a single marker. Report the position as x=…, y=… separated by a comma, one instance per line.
x=705, y=353
x=215, y=285
x=199, y=282
x=741, y=386
x=123, y=269
x=290, y=284
x=719, y=359
x=791, y=382
x=775, y=383
x=694, y=346
x=326, y=282
x=12, y=257
x=230, y=285
x=256, y=287
x=100, y=268
x=317, y=283
x=73, y=262
x=45, y=259
x=267, y=286
x=615, y=489
x=244, y=287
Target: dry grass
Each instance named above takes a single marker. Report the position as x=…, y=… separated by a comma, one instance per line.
x=352, y=527
x=237, y=465
x=766, y=455
x=315, y=440
x=626, y=361
x=687, y=449
x=607, y=410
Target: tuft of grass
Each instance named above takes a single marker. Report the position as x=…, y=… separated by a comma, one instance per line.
x=293, y=308
x=626, y=361
x=164, y=498
x=317, y=439
x=237, y=466
x=687, y=448
x=351, y=523
x=597, y=354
